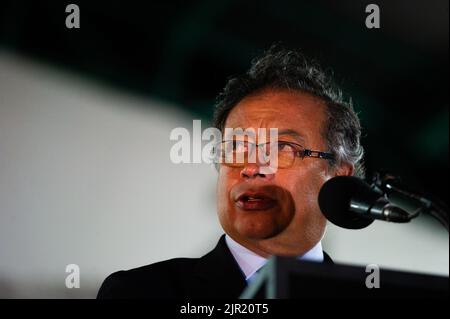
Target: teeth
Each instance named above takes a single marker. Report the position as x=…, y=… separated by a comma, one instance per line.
x=252, y=199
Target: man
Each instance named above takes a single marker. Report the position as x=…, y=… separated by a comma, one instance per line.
x=262, y=213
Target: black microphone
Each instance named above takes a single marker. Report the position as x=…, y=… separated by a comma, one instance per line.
x=349, y=202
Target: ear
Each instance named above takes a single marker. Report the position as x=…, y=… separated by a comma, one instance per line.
x=345, y=169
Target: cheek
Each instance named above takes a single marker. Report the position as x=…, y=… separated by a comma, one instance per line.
x=305, y=193
x=309, y=220
x=221, y=191
x=224, y=183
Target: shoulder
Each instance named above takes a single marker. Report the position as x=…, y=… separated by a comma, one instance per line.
x=158, y=280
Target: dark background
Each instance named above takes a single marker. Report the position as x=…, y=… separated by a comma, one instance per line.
x=183, y=52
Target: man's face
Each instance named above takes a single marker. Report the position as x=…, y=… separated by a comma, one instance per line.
x=276, y=214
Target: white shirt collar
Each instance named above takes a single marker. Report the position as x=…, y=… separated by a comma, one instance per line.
x=250, y=262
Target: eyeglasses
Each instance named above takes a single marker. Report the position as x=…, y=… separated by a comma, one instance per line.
x=236, y=153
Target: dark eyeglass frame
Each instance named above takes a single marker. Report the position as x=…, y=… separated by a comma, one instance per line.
x=304, y=152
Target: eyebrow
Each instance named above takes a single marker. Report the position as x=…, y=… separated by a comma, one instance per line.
x=292, y=133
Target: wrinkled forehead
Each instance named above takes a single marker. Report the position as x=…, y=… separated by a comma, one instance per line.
x=296, y=115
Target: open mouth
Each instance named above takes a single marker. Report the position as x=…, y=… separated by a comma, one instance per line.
x=255, y=201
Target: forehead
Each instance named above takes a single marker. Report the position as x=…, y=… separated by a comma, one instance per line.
x=289, y=111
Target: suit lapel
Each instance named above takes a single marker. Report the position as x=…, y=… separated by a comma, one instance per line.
x=217, y=275
x=327, y=259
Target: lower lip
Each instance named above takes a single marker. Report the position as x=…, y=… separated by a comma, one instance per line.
x=264, y=204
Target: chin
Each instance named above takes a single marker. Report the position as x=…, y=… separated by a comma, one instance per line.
x=256, y=230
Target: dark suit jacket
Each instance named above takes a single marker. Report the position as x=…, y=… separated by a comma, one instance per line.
x=215, y=275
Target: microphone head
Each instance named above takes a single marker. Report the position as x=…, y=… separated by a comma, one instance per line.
x=335, y=198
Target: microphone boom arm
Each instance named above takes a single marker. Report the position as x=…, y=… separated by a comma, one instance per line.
x=385, y=183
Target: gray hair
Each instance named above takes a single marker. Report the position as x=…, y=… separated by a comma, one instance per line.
x=279, y=68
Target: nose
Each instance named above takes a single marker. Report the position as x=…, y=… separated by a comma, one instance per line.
x=251, y=171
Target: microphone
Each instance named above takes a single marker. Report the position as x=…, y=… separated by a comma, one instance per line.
x=351, y=203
